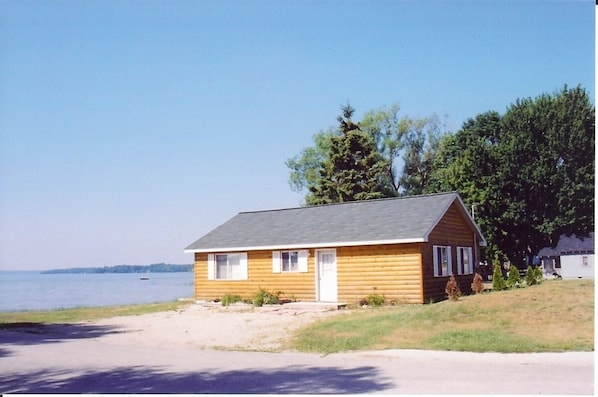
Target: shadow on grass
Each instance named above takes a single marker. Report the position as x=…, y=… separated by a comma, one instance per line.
x=39, y=333
x=291, y=380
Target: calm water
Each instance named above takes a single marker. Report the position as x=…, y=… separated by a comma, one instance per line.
x=36, y=291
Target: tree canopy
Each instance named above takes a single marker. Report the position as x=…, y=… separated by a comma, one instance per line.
x=529, y=173
x=397, y=151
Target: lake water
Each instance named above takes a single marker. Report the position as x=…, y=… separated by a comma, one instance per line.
x=37, y=291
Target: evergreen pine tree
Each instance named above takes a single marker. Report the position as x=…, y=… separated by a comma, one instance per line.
x=353, y=170
x=498, y=282
x=533, y=275
x=514, y=278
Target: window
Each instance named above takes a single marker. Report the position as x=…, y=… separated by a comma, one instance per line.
x=464, y=260
x=289, y=261
x=442, y=261
x=227, y=266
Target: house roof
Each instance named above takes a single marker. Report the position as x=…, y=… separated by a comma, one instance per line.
x=570, y=245
x=384, y=221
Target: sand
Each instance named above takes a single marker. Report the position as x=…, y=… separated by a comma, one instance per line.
x=212, y=326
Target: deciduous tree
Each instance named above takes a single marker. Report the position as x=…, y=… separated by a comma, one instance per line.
x=305, y=167
x=529, y=173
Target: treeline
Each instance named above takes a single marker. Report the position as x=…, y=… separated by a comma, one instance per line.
x=527, y=174
x=153, y=268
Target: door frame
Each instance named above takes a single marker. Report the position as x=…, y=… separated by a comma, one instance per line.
x=317, y=272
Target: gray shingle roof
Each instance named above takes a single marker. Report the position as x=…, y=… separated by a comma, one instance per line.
x=570, y=245
x=394, y=220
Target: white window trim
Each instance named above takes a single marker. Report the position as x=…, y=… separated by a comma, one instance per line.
x=460, y=267
x=302, y=261
x=437, y=266
x=243, y=273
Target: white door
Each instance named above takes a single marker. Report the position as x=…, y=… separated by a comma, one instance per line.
x=327, y=287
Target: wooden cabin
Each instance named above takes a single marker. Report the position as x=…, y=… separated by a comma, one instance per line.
x=402, y=248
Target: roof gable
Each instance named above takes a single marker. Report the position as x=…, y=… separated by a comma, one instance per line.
x=384, y=221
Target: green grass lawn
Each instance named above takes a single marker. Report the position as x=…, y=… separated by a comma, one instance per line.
x=88, y=313
x=553, y=316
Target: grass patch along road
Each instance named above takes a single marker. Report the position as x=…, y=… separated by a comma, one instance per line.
x=88, y=313
x=557, y=315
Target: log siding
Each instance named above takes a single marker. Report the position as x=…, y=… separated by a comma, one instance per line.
x=393, y=271
x=293, y=285
x=452, y=231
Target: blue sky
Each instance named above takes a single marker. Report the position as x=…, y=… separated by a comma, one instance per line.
x=128, y=129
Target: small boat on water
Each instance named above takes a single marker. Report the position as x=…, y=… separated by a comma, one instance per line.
x=144, y=278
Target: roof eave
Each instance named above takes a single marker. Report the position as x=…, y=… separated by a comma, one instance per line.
x=306, y=245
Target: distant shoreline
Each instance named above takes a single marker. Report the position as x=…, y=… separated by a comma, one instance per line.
x=153, y=268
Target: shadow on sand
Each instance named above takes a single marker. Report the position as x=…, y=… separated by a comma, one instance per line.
x=291, y=380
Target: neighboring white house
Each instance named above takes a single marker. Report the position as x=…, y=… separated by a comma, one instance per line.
x=573, y=257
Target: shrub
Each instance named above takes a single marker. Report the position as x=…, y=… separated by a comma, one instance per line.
x=452, y=289
x=514, y=279
x=375, y=300
x=539, y=275
x=498, y=282
x=533, y=275
x=478, y=284
x=263, y=297
x=229, y=299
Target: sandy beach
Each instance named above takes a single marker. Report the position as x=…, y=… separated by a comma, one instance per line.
x=213, y=326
